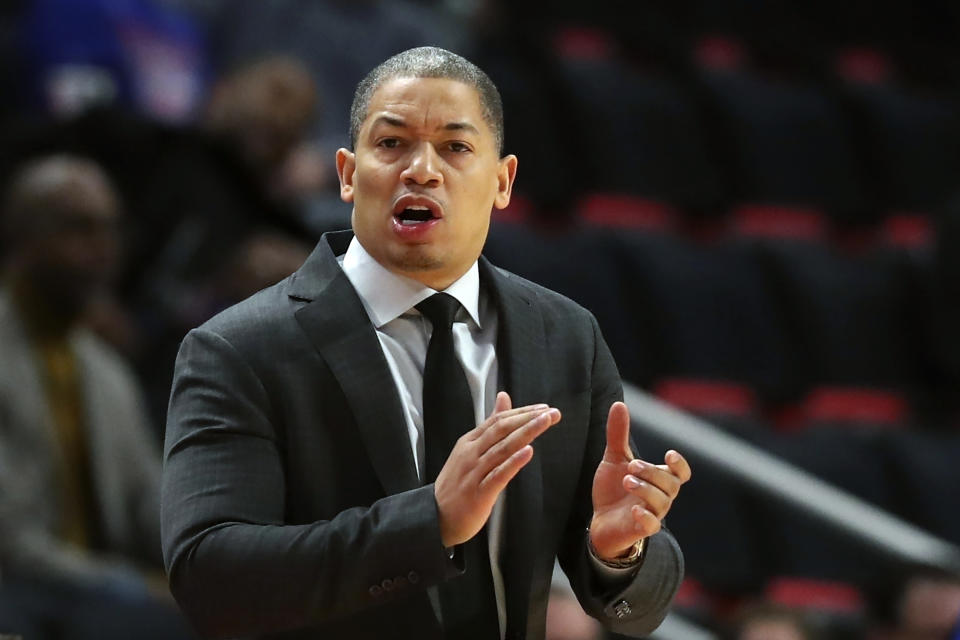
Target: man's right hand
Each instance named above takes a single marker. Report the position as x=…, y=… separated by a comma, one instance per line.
x=483, y=462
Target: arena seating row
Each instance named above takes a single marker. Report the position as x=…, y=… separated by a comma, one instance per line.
x=799, y=37
x=752, y=216
x=779, y=331
x=819, y=355
x=725, y=134
x=739, y=546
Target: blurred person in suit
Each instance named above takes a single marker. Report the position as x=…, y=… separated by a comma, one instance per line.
x=350, y=452
x=79, y=468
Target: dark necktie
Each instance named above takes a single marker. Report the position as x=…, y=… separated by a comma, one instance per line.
x=467, y=603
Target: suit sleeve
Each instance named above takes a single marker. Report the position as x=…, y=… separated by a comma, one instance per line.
x=234, y=566
x=646, y=594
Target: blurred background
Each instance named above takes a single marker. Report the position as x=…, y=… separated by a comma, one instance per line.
x=758, y=199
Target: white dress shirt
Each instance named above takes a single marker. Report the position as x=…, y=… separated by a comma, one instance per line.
x=390, y=300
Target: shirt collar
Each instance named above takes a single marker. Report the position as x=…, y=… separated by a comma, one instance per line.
x=386, y=295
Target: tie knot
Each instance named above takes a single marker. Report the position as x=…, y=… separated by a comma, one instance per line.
x=440, y=308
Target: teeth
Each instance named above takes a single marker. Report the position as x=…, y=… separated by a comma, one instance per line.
x=418, y=207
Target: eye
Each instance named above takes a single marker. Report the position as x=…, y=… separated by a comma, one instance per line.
x=389, y=143
x=459, y=147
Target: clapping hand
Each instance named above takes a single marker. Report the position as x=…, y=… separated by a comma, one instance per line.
x=483, y=462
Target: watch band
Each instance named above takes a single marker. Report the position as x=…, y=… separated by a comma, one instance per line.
x=623, y=562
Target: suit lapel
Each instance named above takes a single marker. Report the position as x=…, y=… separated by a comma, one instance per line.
x=338, y=326
x=520, y=352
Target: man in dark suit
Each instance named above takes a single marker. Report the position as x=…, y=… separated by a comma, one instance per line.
x=315, y=485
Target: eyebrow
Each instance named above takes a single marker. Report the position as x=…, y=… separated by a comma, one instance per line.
x=450, y=126
x=461, y=126
x=393, y=122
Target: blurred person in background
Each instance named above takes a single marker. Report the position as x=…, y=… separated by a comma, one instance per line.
x=264, y=110
x=928, y=607
x=79, y=468
x=140, y=55
x=916, y=603
x=217, y=195
x=338, y=41
x=566, y=619
x=772, y=622
x=215, y=185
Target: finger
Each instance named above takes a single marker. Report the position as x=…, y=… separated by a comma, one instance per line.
x=497, y=478
x=506, y=423
x=645, y=523
x=621, y=527
x=618, y=434
x=518, y=439
x=495, y=418
x=503, y=403
x=678, y=465
x=657, y=475
x=650, y=496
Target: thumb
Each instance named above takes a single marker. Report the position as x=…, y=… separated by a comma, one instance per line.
x=618, y=434
x=503, y=402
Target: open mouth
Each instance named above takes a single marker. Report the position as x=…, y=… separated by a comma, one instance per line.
x=413, y=209
x=414, y=214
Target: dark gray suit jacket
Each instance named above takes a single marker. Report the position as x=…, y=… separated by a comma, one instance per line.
x=291, y=506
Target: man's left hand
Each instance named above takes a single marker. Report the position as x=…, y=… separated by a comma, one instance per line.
x=630, y=496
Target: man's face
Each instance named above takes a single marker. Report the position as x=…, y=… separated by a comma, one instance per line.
x=76, y=252
x=424, y=178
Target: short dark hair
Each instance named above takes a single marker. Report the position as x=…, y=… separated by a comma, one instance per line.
x=429, y=62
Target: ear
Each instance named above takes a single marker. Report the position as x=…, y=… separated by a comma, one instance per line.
x=346, y=165
x=506, y=174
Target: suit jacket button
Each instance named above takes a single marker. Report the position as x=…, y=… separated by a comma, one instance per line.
x=387, y=584
x=413, y=577
x=622, y=609
x=376, y=591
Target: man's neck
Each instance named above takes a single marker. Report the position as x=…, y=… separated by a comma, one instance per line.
x=386, y=293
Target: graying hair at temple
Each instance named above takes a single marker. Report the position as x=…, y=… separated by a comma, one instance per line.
x=429, y=62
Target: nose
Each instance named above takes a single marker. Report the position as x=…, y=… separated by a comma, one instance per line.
x=423, y=167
